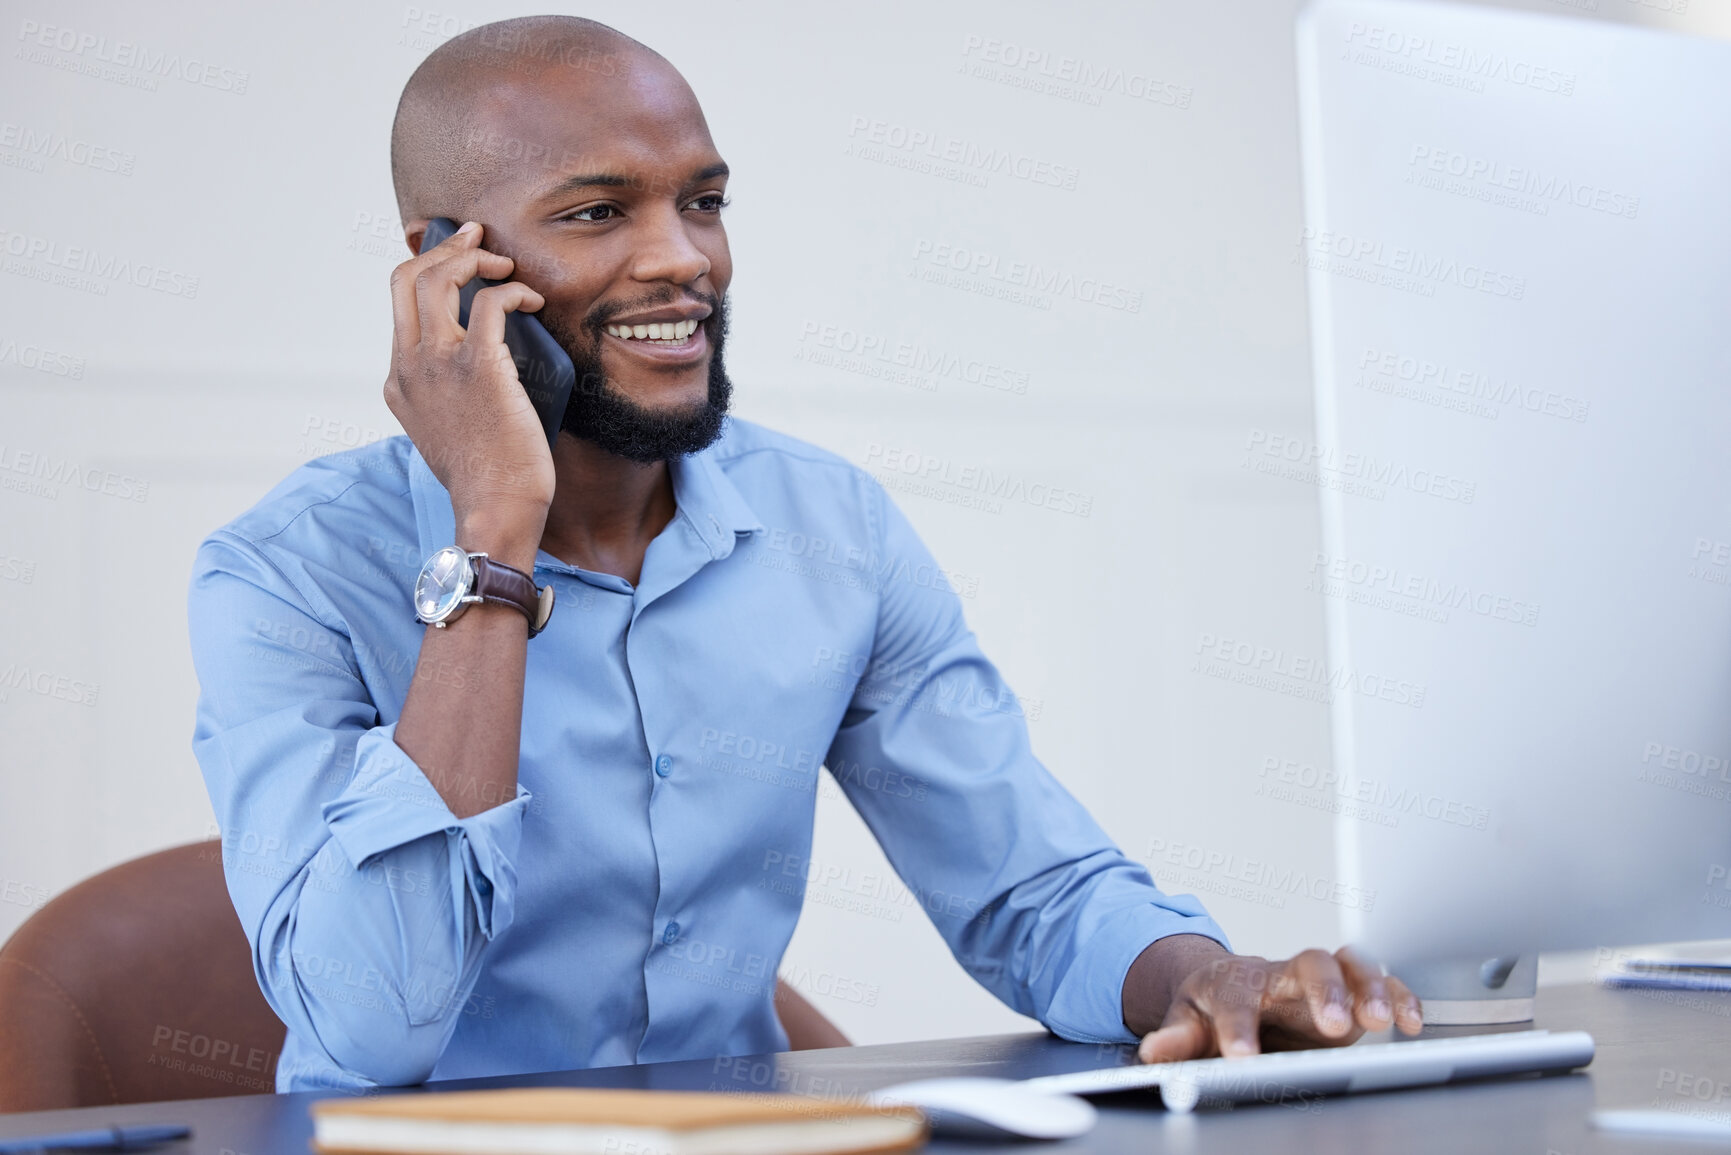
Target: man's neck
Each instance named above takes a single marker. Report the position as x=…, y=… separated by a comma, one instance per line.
x=606, y=509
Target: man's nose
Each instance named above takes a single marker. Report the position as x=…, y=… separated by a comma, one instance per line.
x=667, y=253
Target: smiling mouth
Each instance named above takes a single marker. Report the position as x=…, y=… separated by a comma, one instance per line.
x=667, y=334
x=678, y=344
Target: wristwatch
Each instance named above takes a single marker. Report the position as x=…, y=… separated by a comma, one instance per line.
x=454, y=579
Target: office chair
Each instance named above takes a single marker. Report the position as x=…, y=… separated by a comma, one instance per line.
x=136, y=985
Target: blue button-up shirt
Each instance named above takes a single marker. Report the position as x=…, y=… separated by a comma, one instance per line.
x=631, y=902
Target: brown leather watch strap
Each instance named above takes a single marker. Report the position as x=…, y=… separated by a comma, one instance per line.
x=507, y=585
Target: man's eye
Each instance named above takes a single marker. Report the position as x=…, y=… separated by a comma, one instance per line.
x=714, y=202
x=582, y=214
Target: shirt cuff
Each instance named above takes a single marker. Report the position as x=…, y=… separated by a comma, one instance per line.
x=1089, y=1004
x=390, y=803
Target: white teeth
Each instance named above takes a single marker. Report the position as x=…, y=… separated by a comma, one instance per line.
x=660, y=331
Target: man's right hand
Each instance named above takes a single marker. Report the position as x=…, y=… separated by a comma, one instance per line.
x=459, y=399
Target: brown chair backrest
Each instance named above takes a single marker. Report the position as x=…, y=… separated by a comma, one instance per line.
x=136, y=985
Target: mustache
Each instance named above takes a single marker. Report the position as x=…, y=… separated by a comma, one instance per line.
x=582, y=339
x=600, y=316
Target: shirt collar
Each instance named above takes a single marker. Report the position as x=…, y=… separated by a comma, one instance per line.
x=709, y=500
x=705, y=496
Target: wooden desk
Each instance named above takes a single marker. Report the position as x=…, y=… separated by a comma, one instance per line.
x=1669, y=1049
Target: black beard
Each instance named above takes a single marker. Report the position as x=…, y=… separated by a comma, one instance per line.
x=601, y=413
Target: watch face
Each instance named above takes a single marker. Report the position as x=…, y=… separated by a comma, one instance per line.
x=443, y=583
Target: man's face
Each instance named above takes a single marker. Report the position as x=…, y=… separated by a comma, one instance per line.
x=608, y=199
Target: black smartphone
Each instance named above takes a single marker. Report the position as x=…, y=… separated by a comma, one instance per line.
x=543, y=367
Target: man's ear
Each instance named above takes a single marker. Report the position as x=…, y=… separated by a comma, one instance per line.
x=413, y=231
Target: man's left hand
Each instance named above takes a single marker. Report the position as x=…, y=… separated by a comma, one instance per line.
x=1232, y=1005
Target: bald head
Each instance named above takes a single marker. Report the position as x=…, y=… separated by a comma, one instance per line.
x=454, y=135
x=586, y=159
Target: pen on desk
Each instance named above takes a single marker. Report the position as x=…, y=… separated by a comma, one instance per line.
x=1663, y=1124
x=1670, y=966
x=100, y=1139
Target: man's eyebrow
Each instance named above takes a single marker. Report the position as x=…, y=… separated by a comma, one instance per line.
x=572, y=184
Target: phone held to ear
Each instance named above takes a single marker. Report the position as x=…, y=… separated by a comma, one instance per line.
x=542, y=366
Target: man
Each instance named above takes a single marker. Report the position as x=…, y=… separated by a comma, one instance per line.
x=508, y=842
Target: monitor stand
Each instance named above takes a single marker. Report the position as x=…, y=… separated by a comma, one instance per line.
x=1474, y=992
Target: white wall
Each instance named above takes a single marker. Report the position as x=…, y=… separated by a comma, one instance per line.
x=187, y=407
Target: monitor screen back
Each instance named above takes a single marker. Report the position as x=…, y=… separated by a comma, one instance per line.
x=1517, y=241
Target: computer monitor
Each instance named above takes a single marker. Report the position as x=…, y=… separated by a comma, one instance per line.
x=1519, y=265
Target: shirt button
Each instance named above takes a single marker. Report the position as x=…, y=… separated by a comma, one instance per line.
x=483, y=887
x=671, y=933
x=664, y=765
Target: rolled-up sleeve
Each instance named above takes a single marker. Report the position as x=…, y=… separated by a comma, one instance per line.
x=367, y=902
x=1033, y=898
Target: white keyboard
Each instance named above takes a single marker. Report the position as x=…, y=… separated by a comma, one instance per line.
x=1295, y=1077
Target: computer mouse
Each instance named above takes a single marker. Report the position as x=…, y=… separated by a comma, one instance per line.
x=980, y=1108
